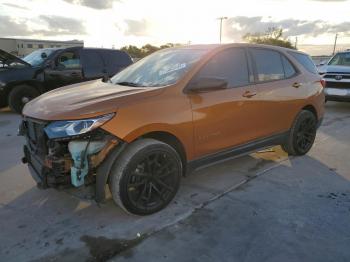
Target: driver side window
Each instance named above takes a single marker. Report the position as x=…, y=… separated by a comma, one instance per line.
x=230, y=64
x=68, y=60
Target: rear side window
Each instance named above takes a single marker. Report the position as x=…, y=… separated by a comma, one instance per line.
x=92, y=63
x=91, y=59
x=268, y=65
x=230, y=64
x=116, y=59
x=288, y=67
x=306, y=62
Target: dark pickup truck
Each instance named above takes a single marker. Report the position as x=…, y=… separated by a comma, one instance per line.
x=45, y=69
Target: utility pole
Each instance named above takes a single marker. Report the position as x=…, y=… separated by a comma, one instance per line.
x=296, y=42
x=221, y=18
x=335, y=43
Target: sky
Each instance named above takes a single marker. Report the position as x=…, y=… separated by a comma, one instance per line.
x=116, y=23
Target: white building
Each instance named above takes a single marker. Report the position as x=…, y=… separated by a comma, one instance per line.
x=22, y=47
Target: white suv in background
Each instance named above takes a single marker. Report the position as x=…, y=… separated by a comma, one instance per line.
x=336, y=74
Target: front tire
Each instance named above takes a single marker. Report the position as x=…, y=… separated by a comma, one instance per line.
x=302, y=134
x=21, y=95
x=146, y=177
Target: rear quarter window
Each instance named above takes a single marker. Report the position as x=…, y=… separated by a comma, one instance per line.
x=305, y=61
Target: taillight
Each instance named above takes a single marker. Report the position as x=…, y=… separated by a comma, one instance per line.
x=323, y=83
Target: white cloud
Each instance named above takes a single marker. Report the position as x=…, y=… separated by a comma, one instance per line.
x=123, y=22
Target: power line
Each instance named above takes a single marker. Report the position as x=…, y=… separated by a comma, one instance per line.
x=335, y=43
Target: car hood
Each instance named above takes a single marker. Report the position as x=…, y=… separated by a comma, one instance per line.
x=84, y=100
x=334, y=69
x=7, y=59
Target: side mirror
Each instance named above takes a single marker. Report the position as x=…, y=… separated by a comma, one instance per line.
x=205, y=84
x=106, y=78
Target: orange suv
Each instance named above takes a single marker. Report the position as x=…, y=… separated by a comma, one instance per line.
x=169, y=113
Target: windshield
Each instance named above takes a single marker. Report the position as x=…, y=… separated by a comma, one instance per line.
x=162, y=68
x=38, y=57
x=341, y=59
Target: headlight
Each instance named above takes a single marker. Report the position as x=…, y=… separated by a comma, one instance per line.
x=60, y=129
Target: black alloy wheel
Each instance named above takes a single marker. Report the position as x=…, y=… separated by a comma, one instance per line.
x=306, y=134
x=302, y=134
x=153, y=181
x=146, y=177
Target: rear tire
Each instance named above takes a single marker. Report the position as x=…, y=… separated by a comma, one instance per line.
x=302, y=134
x=21, y=95
x=146, y=177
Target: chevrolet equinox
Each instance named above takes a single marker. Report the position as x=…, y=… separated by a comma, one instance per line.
x=169, y=113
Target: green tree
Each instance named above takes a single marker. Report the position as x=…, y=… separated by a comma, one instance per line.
x=273, y=36
x=132, y=50
x=148, y=49
x=169, y=45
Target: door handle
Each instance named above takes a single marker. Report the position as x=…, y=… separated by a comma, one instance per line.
x=296, y=85
x=248, y=94
x=74, y=74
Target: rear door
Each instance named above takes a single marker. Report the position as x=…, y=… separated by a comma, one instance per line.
x=92, y=63
x=277, y=83
x=225, y=118
x=115, y=60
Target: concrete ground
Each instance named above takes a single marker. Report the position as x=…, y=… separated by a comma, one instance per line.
x=261, y=207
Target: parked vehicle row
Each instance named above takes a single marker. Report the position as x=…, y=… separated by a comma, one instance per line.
x=168, y=114
x=21, y=80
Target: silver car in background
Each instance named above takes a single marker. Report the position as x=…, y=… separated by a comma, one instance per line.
x=336, y=74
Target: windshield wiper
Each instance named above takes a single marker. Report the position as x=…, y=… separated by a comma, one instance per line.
x=125, y=83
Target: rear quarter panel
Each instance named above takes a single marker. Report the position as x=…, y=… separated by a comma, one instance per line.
x=311, y=90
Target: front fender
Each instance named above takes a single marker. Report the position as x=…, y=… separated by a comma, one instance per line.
x=104, y=169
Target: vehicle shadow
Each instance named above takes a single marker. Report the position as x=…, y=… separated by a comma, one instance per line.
x=56, y=225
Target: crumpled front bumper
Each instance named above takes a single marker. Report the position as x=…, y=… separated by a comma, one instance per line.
x=45, y=177
x=73, y=161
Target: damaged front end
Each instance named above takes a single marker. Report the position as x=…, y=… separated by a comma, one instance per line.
x=63, y=154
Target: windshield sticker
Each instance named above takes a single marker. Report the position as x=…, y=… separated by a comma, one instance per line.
x=172, y=68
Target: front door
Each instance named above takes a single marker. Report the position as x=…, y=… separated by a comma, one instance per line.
x=225, y=118
x=65, y=71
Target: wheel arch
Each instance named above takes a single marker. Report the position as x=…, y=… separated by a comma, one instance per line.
x=171, y=140
x=34, y=84
x=312, y=109
x=103, y=171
